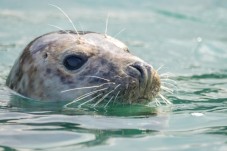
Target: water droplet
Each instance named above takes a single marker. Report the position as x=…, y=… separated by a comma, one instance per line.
x=197, y=114
x=199, y=39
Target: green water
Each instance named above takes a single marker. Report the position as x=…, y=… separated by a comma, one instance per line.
x=188, y=37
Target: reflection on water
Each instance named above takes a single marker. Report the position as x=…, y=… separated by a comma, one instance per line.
x=187, y=37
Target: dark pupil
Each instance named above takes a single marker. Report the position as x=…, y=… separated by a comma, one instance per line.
x=73, y=62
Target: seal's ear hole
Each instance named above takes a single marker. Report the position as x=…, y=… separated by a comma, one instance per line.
x=73, y=62
x=45, y=55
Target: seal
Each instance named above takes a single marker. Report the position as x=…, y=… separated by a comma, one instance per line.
x=68, y=65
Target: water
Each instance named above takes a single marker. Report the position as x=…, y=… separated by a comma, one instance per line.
x=187, y=37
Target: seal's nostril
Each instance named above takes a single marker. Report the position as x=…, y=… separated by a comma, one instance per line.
x=139, y=69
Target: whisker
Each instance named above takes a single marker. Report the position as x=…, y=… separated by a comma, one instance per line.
x=170, y=84
x=169, y=80
x=157, y=102
x=62, y=30
x=81, y=28
x=160, y=68
x=99, y=78
x=108, y=102
x=166, y=74
x=164, y=99
x=89, y=100
x=117, y=86
x=90, y=87
x=66, y=17
x=84, y=96
x=116, y=96
x=89, y=94
x=107, y=21
x=100, y=100
x=167, y=89
x=119, y=32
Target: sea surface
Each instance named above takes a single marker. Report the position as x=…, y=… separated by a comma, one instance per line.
x=186, y=39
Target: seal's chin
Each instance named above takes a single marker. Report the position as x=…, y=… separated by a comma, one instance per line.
x=143, y=100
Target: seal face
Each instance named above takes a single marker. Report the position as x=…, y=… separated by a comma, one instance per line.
x=66, y=65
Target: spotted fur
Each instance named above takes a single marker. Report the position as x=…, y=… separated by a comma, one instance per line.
x=39, y=72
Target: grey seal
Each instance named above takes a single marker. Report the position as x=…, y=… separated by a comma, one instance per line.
x=68, y=65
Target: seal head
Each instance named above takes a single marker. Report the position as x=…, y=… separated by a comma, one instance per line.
x=66, y=65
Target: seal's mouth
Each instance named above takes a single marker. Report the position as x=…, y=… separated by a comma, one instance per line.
x=153, y=86
x=148, y=82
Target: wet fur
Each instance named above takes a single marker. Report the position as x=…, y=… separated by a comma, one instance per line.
x=39, y=73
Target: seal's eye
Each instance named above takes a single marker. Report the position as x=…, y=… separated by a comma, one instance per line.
x=73, y=62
